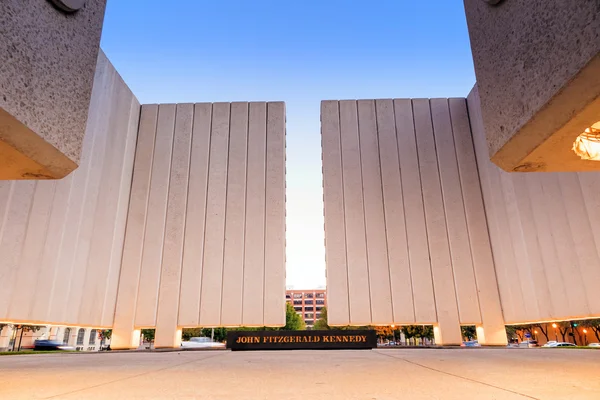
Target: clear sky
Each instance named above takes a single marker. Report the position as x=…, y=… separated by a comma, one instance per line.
x=300, y=52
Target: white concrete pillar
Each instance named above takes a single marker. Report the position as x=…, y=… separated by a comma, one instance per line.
x=5, y=335
x=491, y=335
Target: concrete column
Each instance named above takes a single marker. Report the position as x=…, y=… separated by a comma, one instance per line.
x=5, y=336
x=125, y=339
x=491, y=335
x=86, y=339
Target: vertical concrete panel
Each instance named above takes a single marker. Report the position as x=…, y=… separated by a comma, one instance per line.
x=375, y=228
x=193, y=250
x=565, y=246
x=119, y=227
x=420, y=267
x=441, y=266
x=67, y=253
x=458, y=235
x=170, y=277
x=94, y=283
x=534, y=281
x=155, y=225
x=520, y=278
x=254, y=252
x=393, y=202
x=590, y=187
x=212, y=272
x=502, y=250
x=333, y=197
x=29, y=266
x=99, y=124
x=579, y=225
x=274, y=287
x=233, y=264
x=14, y=231
x=129, y=276
x=481, y=251
x=46, y=277
x=556, y=285
x=358, y=269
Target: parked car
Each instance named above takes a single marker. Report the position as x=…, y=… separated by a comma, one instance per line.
x=550, y=343
x=202, y=342
x=529, y=343
x=471, y=343
x=594, y=345
x=50, y=345
x=559, y=344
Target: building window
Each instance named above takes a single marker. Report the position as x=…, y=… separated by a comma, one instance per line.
x=297, y=308
x=297, y=295
x=80, y=335
x=308, y=295
x=309, y=315
x=297, y=302
x=66, y=335
x=320, y=295
x=319, y=308
x=93, y=334
x=308, y=302
x=288, y=296
x=308, y=308
x=321, y=302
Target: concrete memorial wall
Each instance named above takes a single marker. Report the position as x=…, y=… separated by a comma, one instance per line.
x=205, y=240
x=544, y=234
x=61, y=241
x=405, y=229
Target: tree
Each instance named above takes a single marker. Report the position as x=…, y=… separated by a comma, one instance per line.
x=468, y=332
x=321, y=323
x=293, y=321
x=418, y=331
x=25, y=328
x=544, y=329
x=563, y=328
x=384, y=332
x=594, y=325
x=148, y=334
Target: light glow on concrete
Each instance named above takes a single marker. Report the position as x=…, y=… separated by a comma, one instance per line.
x=587, y=145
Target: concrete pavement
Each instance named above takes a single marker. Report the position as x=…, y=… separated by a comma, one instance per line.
x=378, y=374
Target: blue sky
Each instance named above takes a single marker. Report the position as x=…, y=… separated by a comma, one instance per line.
x=300, y=52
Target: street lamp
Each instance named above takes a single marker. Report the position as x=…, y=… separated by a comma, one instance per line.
x=585, y=336
x=555, y=334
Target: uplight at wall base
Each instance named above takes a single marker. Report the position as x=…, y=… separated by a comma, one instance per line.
x=587, y=145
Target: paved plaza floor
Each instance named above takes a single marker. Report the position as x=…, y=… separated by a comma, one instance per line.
x=369, y=374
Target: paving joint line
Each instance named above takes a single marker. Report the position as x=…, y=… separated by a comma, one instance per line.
x=457, y=376
x=128, y=377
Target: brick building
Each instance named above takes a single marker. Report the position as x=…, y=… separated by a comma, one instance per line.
x=307, y=303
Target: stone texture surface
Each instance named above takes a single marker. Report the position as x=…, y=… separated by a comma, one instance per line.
x=379, y=374
x=61, y=241
x=46, y=77
x=538, y=70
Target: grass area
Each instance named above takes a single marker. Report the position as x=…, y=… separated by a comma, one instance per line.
x=16, y=353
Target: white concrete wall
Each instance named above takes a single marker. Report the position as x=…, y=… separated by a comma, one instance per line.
x=205, y=240
x=61, y=241
x=544, y=234
x=406, y=236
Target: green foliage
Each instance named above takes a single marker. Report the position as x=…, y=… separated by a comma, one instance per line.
x=321, y=323
x=148, y=334
x=104, y=334
x=468, y=332
x=418, y=331
x=293, y=321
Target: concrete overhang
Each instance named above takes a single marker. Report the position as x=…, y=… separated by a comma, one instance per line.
x=537, y=64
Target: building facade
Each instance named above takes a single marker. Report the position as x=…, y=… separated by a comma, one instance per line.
x=307, y=303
